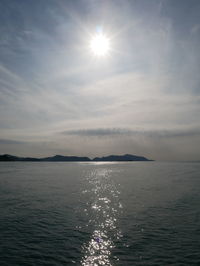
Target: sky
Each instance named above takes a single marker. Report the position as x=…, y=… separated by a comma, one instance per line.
x=142, y=98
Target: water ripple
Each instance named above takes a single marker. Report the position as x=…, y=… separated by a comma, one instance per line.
x=104, y=208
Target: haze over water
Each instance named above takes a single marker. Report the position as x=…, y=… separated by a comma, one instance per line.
x=138, y=213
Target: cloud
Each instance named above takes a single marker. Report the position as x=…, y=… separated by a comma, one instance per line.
x=98, y=132
x=11, y=141
x=147, y=88
x=118, y=132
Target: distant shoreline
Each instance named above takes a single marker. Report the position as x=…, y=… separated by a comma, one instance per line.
x=62, y=158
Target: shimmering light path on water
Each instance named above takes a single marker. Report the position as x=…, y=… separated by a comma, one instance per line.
x=119, y=214
x=103, y=210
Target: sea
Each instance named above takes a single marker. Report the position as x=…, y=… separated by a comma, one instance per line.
x=99, y=213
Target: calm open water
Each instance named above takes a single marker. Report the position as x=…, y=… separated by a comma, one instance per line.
x=136, y=213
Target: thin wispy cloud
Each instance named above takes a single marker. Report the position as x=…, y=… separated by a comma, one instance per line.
x=10, y=141
x=53, y=88
x=121, y=132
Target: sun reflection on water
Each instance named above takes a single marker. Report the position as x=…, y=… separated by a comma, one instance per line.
x=103, y=208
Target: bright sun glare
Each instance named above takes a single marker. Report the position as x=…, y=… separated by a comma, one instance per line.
x=100, y=45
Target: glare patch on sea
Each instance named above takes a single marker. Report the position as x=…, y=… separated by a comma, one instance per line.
x=103, y=210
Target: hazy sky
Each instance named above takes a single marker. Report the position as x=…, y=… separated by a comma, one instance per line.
x=56, y=97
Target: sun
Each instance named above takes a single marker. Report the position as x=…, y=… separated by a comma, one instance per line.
x=100, y=45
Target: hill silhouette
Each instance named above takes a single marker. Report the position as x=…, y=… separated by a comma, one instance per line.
x=62, y=158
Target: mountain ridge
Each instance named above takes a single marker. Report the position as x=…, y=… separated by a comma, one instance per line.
x=63, y=158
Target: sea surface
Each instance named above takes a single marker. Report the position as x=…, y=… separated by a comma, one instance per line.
x=134, y=213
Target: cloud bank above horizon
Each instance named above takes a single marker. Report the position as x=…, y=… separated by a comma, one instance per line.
x=56, y=97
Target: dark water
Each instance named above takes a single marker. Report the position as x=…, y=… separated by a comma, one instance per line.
x=141, y=213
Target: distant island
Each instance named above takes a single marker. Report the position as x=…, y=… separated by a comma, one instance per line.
x=61, y=158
